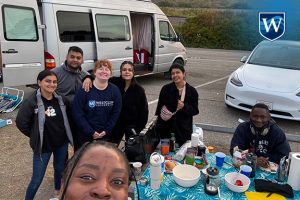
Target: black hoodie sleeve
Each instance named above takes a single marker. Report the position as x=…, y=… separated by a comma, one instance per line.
x=143, y=110
x=160, y=100
x=280, y=146
x=24, y=118
x=240, y=138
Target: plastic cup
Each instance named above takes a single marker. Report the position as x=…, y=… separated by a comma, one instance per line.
x=137, y=167
x=220, y=156
x=246, y=170
x=165, y=147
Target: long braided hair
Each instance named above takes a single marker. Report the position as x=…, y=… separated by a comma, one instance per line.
x=72, y=163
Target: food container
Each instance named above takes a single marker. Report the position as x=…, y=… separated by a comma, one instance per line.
x=231, y=178
x=238, y=159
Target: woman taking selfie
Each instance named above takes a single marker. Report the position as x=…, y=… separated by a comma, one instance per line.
x=43, y=118
x=177, y=104
x=98, y=170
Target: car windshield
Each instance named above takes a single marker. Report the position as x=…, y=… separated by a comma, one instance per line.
x=278, y=55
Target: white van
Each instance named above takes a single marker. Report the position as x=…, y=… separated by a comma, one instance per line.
x=36, y=34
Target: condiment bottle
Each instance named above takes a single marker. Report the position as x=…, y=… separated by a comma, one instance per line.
x=172, y=143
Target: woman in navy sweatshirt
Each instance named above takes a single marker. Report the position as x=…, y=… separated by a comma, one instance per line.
x=96, y=112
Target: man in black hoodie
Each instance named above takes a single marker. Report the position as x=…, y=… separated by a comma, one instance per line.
x=262, y=136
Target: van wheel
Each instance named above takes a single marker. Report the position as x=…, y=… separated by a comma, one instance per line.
x=178, y=61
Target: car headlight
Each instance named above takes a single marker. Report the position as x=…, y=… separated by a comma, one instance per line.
x=298, y=94
x=235, y=80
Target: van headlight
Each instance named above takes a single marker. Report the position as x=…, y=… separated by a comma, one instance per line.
x=235, y=80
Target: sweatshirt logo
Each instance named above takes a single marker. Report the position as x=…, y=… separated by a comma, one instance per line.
x=92, y=103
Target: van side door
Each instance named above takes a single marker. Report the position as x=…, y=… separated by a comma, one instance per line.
x=168, y=47
x=21, y=41
x=113, y=36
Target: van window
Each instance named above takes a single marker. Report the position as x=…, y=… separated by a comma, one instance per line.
x=19, y=24
x=112, y=28
x=166, y=31
x=75, y=27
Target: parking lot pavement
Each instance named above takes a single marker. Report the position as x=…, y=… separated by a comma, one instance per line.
x=207, y=70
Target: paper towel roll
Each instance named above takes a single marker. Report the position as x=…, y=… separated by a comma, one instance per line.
x=294, y=173
x=195, y=140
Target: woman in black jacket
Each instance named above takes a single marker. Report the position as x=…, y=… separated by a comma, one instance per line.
x=181, y=99
x=134, y=113
x=43, y=118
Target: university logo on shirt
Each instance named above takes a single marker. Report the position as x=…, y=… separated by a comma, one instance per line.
x=271, y=25
x=92, y=103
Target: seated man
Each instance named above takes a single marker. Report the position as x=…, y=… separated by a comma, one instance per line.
x=262, y=136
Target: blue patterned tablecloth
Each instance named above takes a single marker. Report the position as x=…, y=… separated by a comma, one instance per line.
x=169, y=190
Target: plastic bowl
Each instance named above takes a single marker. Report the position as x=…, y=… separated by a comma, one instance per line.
x=186, y=175
x=230, y=179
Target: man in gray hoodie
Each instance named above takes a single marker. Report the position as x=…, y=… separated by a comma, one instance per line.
x=69, y=79
x=70, y=74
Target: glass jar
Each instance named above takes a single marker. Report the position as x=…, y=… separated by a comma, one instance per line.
x=212, y=181
x=190, y=156
x=238, y=159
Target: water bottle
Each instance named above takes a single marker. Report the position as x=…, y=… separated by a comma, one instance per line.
x=155, y=170
x=281, y=174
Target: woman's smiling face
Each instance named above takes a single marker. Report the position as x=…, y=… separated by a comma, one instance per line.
x=100, y=174
x=177, y=75
x=48, y=84
x=127, y=72
x=103, y=73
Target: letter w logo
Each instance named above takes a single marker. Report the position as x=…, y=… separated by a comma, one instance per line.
x=272, y=25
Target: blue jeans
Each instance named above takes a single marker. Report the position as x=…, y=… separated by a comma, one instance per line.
x=40, y=162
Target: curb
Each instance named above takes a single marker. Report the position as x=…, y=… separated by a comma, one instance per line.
x=223, y=129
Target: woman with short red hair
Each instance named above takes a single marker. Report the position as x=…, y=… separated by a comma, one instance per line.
x=96, y=112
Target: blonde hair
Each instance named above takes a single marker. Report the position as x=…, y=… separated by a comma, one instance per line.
x=101, y=63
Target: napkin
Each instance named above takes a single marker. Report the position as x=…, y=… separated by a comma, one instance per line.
x=263, y=196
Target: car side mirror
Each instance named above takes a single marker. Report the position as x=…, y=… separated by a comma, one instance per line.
x=243, y=59
x=177, y=38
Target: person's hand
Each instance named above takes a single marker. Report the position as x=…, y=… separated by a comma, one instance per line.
x=180, y=104
x=262, y=162
x=97, y=135
x=87, y=84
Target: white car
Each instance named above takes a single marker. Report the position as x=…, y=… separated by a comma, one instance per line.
x=270, y=75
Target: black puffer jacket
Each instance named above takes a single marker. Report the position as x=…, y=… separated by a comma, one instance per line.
x=135, y=111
